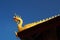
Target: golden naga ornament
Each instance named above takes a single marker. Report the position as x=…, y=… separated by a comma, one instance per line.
x=19, y=22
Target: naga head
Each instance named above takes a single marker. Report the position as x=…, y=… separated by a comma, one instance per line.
x=17, y=19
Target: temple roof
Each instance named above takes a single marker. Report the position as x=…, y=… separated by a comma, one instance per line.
x=51, y=24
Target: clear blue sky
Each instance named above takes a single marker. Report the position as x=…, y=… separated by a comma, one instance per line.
x=29, y=10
